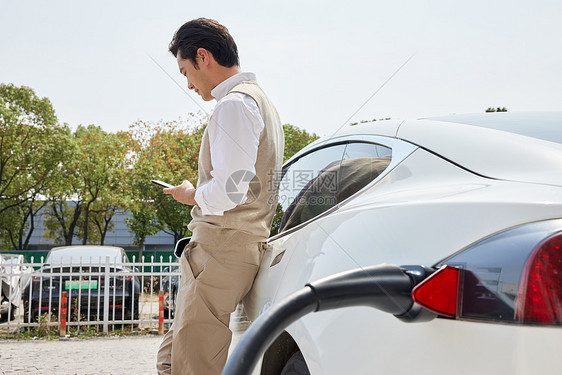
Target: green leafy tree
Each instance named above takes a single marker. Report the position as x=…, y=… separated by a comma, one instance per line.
x=177, y=156
x=93, y=170
x=101, y=169
x=166, y=151
x=142, y=222
x=20, y=223
x=62, y=219
x=295, y=140
x=112, y=195
x=31, y=151
x=90, y=190
x=65, y=206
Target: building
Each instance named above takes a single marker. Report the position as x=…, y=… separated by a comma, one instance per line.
x=160, y=244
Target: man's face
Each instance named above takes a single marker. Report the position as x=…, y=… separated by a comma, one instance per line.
x=197, y=77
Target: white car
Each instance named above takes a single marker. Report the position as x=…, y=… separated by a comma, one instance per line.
x=477, y=197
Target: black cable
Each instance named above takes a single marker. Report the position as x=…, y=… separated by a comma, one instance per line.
x=385, y=287
x=266, y=328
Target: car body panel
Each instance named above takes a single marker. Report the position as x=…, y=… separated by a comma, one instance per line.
x=390, y=346
x=477, y=206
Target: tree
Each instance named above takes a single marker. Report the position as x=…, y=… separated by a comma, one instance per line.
x=295, y=140
x=101, y=168
x=177, y=158
x=31, y=151
x=65, y=203
x=115, y=196
x=20, y=223
x=90, y=188
x=61, y=220
x=167, y=151
x=142, y=222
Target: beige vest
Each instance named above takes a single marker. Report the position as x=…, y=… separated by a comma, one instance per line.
x=249, y=222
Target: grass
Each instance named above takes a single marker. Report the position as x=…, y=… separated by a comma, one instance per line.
x=51, y=332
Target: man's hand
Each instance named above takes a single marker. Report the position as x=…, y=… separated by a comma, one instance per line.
x=184, y=193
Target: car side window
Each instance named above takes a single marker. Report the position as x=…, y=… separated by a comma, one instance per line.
x=309, y=186
x=322, y=179
x=361, y=164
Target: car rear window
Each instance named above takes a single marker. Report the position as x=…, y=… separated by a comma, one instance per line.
x=83, y=255
x=546, y=126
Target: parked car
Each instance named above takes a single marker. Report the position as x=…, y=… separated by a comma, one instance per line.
x=15, y=275
x=473, y=200
x=81, y=272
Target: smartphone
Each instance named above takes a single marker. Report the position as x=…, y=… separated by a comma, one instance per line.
x=161, y=183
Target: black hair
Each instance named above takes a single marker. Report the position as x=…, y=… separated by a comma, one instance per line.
x=208, y=34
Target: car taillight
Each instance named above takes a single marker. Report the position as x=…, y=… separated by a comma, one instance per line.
x=512, y=276
x=540, y=293
x=439, y=292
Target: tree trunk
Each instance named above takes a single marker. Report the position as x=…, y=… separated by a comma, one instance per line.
x=105, y=228
x=87, y=213
x=32, y=224
x=86, y=218
x=24, y=244
x=141, y=250
x=70, y=235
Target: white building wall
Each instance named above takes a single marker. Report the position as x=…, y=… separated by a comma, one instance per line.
x=120, y=236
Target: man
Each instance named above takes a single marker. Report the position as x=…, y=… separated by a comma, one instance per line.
x=233, y=204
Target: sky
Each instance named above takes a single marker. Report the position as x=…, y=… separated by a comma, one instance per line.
x=107, y=62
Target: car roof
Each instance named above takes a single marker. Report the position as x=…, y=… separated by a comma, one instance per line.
x=386, y=128
x=84, y=254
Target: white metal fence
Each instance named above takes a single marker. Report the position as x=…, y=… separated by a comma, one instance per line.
x=101, y=294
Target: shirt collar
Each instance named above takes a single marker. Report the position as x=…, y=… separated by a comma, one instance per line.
x=225, y=86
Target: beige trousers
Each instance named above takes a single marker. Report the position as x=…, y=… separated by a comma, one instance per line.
x=212, y=283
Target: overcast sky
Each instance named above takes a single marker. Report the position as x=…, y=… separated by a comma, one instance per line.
x=317, y=60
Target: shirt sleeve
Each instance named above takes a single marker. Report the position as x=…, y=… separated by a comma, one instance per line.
x=234, y=132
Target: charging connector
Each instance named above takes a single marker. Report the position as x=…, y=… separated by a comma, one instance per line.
x=385, y=287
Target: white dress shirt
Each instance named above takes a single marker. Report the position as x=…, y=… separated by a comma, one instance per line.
x=234, y=132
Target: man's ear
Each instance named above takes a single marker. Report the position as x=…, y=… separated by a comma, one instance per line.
x=204, y=56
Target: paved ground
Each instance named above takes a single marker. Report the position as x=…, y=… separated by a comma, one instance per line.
x=112, y=355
